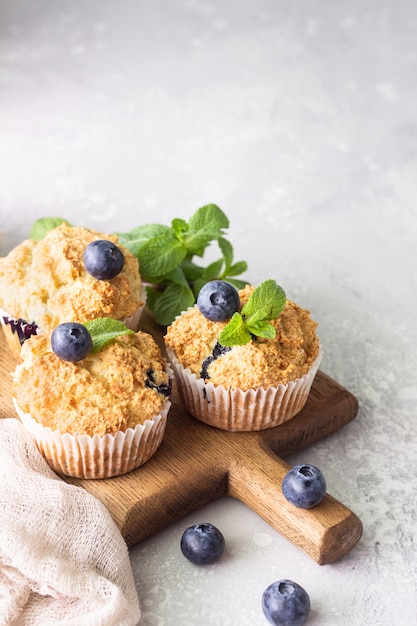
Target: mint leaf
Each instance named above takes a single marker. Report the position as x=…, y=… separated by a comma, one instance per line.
x=235, y=333
x=137, y=237
x=209, y=219
x=171, y=302
x=179, y=227
x=177, y=276
x=237, y=268
x=205, y=226
x=152, y=295
x=265, y=303
x=42, y=226
x=160, y=255
x=262, y=329
x=231, y=269
x=192, y=272
x=104, y=329
x=227, y=252
x=213, y=270
x=239, y=284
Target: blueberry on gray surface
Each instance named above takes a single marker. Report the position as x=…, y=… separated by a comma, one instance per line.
x=285, y=603
x=202, y=544
x=71, y=341
x=103, y=259
x=304, y=486
x=218, y=300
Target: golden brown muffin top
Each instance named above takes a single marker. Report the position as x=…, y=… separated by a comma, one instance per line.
x=46, y=281
x=261, y=362
x=110, y=390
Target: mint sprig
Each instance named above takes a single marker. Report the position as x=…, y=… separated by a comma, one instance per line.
x=265, y=303
x=167, y=258
x=104, y=330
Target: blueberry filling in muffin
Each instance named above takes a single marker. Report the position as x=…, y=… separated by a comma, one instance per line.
x=218, y=350
x=164, y=389
x=23, y=329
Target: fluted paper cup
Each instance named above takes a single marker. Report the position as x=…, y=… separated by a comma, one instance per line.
x=237, y=410
x=85, y=456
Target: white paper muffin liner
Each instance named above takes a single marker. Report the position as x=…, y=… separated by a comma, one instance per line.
x=237, y=410
x=99, y=456
x=85, y=456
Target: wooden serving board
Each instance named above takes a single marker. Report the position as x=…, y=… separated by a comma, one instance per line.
x=196, y=464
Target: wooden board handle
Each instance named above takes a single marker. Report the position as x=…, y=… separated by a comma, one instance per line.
x=326, y=532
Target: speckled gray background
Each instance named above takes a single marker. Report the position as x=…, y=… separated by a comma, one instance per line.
x=299, y=119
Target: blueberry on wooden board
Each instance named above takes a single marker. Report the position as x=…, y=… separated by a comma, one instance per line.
x=304, y=486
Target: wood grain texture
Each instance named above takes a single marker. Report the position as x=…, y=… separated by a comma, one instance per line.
x=196, y=464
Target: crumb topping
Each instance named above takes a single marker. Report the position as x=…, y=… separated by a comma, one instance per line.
x=261, y=362
x=46, y=281
x=116, y=388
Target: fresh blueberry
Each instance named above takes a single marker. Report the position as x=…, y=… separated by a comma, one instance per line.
x=218, y=300
x=304, y=486
x=285, y=603
x=71, y=341
x=103, y=259
x=202, y=544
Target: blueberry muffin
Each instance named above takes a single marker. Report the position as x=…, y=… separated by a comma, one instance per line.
x=44, y=283
x=103, y=414
x=248, y=385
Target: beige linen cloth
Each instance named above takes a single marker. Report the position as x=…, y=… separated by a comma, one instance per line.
x=63, y=561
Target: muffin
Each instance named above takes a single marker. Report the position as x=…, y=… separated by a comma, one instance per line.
x=100, y=416
x=253, y=386
x=44, y=283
